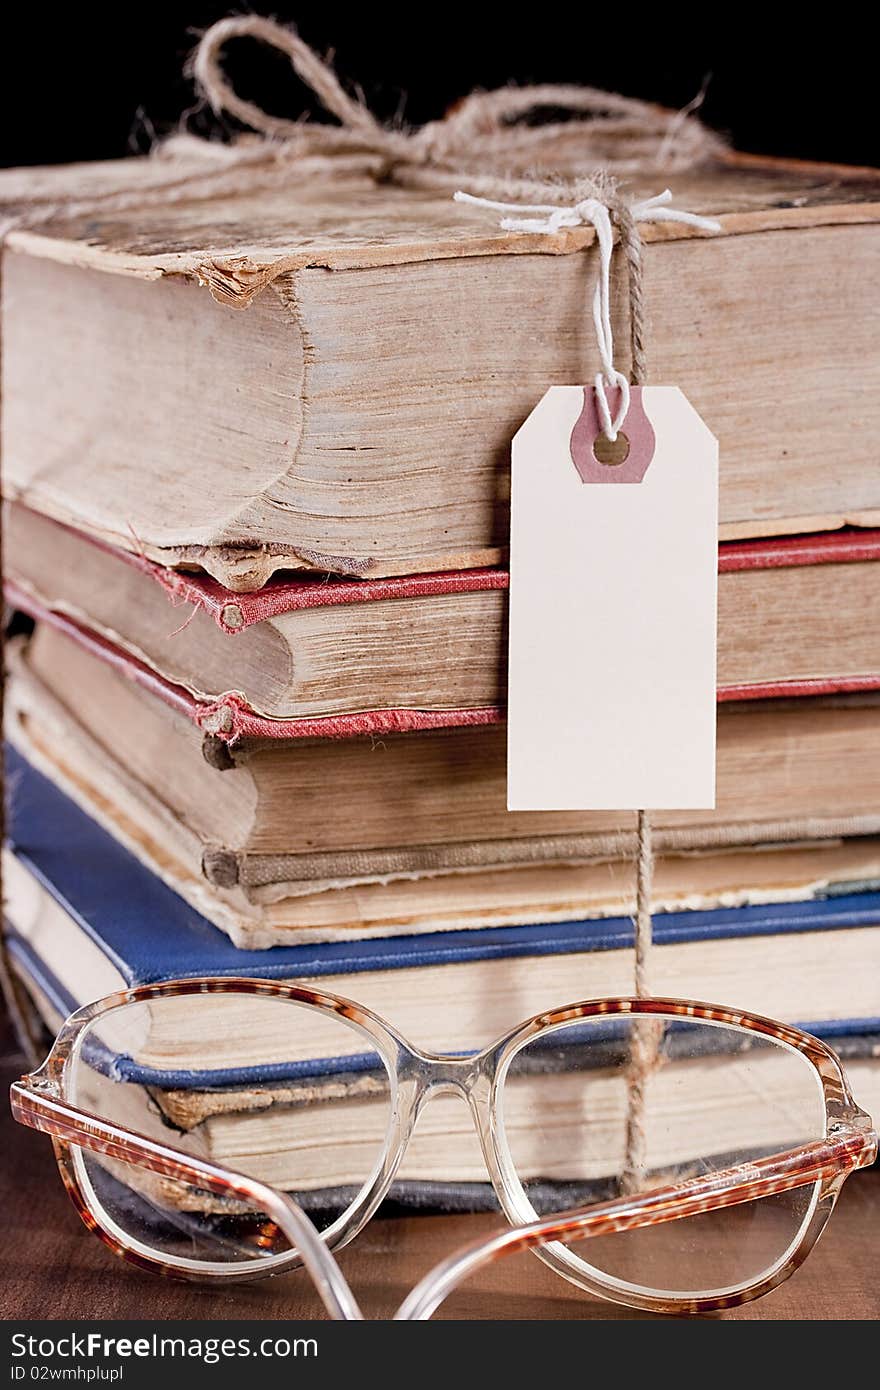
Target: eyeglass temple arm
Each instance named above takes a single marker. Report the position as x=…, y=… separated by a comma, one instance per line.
x=74, y=1126
x=729, y=1187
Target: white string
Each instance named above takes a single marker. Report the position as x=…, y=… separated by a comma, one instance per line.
x=552, y=218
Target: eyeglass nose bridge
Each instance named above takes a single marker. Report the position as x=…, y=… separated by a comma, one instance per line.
x=438, y=1072
x=426, y=1075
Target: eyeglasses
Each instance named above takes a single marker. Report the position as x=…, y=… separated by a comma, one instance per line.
x=281, y=1100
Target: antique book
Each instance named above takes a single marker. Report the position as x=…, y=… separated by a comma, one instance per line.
x=796, y=615
x=310, y=839
x=329, y=377
x=816, y=962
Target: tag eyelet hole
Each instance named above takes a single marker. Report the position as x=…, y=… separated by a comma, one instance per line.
x=608, y=454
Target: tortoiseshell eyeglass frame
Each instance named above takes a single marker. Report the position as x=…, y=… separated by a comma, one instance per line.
x=850, y=1142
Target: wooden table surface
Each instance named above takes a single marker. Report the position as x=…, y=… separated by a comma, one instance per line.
x=51, y=1267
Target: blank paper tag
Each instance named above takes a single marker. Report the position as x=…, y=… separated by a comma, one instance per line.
x=613, y=580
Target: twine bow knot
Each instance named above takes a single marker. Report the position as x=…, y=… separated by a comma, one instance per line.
x=484, y=140
x=487, y=137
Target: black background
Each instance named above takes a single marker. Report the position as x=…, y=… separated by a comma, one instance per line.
x=90, y=82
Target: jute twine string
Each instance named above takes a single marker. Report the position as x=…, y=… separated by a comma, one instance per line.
x=489, y=140
x=486, y=135
x=485, y=141
x=631, y=243
x=645, y=1034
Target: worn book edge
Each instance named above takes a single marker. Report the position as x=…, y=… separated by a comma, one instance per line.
x=231, y=718
x=234, y=612
x=821, y=901
x=256, y=918
x=237, y=271
x=32, y=703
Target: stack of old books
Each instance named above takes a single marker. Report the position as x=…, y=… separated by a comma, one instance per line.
x=256, y=506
